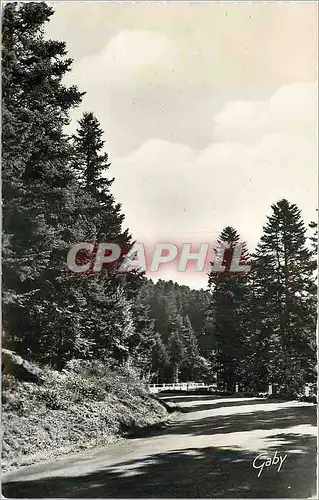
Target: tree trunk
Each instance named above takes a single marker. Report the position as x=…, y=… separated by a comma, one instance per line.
x=176, y=374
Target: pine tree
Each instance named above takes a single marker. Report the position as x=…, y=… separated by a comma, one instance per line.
x=159, y=311
x=229, y=293
x=142, y=341
x=40, y=196
x=196, y=310
x=160, y=359
x=314, y=237
x=191, y=362
x=90, y=163
x=109, y=319
x=177, y=353
x=283, y=294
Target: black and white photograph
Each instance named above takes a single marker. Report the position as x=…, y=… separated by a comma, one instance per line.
x=159, y=249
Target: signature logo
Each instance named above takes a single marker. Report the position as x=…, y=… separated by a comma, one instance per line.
x=264, y=460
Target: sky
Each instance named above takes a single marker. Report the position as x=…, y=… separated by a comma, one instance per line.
x=209, y=111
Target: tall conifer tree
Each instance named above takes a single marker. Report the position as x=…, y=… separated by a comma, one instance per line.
x=40, y=195
x=229, y=294
x=283, y=293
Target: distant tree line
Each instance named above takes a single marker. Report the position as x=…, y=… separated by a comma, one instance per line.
x=249, y=329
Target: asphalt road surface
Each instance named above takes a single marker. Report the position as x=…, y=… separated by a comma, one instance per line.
x=209, y=451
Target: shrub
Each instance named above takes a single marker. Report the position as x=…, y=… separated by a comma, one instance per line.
x=53, y=400
x=86, y=405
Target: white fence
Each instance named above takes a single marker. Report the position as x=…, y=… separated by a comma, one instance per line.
x=181, y=386
x=189, y=386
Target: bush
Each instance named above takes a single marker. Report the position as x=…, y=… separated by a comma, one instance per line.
x=89, y=404
x=89, y=367
x=53, y=400
x=308, y=399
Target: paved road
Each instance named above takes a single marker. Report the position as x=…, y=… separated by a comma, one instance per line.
x=207, y=452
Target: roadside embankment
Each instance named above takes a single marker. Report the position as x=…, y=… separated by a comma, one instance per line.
x=85, y=406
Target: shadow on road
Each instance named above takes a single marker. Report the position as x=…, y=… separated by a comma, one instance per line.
x=241, y=422
x=203, y=472
x=223, y=404
x=234, y=422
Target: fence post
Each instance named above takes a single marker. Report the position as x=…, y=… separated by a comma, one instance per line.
x=270, y=390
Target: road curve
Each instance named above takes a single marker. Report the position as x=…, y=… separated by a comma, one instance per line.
x=207, y=452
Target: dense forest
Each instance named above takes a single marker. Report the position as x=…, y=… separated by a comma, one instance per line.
x=249, y=329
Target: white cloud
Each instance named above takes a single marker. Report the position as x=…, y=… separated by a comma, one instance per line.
x=292, y=108
x=131, y=50
x=202, y=122
x=124, y=59
x=169, y=190
x=295, y=103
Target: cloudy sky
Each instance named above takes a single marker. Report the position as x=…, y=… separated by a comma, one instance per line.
x=209, y=111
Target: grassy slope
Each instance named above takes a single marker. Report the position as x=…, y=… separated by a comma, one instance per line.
x=86, y=406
